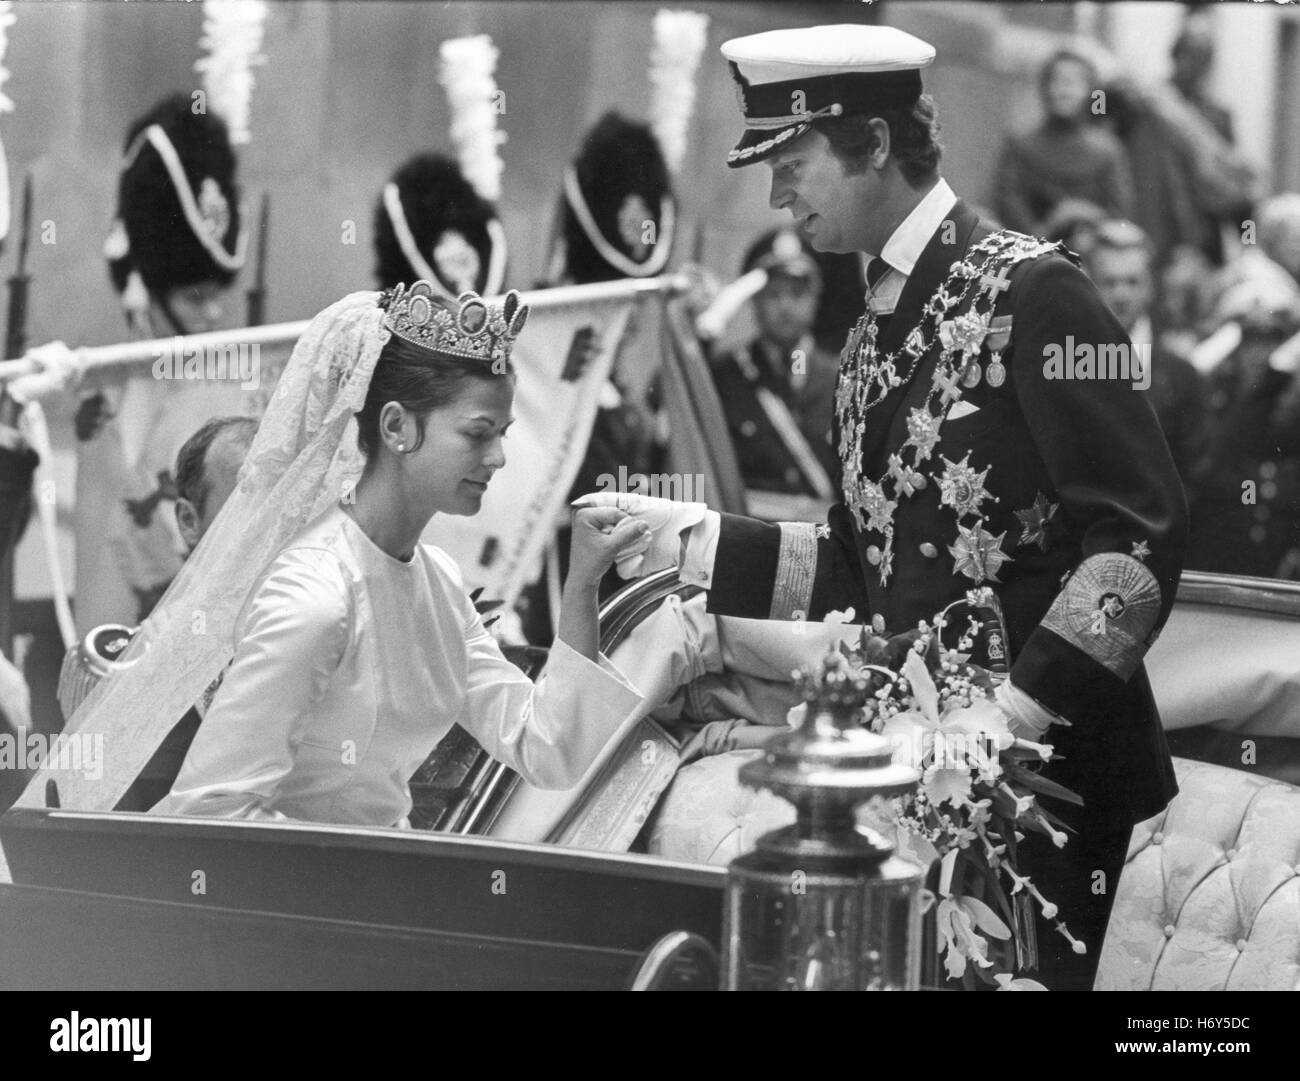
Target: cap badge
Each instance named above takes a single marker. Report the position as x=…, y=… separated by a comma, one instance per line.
x=633, y=217
x=213, y=209
x=456, y=261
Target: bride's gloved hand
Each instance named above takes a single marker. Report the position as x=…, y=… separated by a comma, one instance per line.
x=600, y=536
x=668, y=521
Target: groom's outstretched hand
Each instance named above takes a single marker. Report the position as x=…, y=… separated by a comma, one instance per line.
x=668, y=521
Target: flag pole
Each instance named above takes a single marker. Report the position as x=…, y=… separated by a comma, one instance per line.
x=138, y=354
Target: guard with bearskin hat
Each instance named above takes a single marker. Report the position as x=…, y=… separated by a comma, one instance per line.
x=176, y=244
x=432, y=225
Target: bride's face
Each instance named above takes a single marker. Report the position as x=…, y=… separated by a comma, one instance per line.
x=462, y=447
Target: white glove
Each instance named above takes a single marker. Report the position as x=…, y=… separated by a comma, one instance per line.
x=58, y=370
x=667, y=520
x=1026, y=718
x=15, y=698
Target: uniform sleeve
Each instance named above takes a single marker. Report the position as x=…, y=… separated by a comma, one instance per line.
x=292, y=638
x=786, y=570
x=1110, y=466
x=550, y=731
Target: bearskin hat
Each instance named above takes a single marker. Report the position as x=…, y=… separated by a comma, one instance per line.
x=454, y=231
x=618, y=183
x=152, y=234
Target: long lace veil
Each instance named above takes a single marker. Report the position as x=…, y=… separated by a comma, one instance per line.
x=302, y=460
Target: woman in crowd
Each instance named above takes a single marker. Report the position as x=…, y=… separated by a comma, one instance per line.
x=357, y=648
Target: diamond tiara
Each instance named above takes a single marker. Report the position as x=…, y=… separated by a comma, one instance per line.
x=469, y=328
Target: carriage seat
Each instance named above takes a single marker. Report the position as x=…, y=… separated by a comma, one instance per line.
x=1210, y=895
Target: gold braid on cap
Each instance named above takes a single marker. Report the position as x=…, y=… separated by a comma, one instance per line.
x=470, y=329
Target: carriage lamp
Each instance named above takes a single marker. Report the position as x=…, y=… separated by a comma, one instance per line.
x=824, y=904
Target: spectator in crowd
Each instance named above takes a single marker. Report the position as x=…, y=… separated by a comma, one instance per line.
x=1119, y=262
x=1071, y=158
x=1195, y=185
x=778, y=390
x=1245, y=492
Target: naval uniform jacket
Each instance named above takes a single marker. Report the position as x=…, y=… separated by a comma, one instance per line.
x=1093, y=570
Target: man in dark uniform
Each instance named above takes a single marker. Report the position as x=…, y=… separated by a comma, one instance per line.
x=967, y=460
x=1245, y=493
x=778, y=390
x=1120, y=264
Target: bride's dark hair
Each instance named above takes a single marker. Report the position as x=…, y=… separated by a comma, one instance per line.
x=421, y=381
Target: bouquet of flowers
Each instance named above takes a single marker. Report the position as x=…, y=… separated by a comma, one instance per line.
x=976, y=800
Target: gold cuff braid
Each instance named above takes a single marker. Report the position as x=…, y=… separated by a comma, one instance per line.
x=795, y=567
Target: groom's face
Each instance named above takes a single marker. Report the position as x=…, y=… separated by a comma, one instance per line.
x=831, y=207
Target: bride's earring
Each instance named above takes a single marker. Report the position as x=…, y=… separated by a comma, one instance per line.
x=401, y=448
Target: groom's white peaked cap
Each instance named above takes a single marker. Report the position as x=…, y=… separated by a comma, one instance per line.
x=785, y=79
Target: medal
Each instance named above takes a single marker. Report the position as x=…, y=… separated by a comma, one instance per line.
x=971, y=376
x=997, y=373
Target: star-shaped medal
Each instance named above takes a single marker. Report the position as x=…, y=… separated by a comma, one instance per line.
x=922, y=432
x=964, y=334
x=879, y=509
x=978, y=553
x=962, y=488
x=1141, y=550
x=1034, y=520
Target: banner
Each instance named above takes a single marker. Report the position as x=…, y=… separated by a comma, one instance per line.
x=128, y=548
x=562, y=360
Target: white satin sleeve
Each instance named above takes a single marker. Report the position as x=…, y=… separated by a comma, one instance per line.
x=550, y=731
x=292, y=637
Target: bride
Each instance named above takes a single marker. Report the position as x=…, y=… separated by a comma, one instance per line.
x=357, y=648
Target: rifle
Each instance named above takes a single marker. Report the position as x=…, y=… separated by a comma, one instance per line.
x=16, y=330
x=257, y=294
x=15, y=343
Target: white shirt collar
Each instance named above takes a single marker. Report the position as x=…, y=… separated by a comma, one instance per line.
x=904, y=247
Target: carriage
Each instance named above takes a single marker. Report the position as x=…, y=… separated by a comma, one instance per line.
x=111, y=900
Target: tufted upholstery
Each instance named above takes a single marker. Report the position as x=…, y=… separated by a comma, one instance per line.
x=1210, y=897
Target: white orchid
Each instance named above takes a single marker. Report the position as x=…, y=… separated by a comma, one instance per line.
x=958, y=918
x=945, y=745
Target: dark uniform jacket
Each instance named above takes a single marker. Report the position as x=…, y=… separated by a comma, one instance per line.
x=1245, y=492
x=1085, y=499
x=765, y=460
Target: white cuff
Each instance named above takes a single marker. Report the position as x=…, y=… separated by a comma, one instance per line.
x=701, y=549
x=1029, y=720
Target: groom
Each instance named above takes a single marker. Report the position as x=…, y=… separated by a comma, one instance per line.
x=967, y=459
